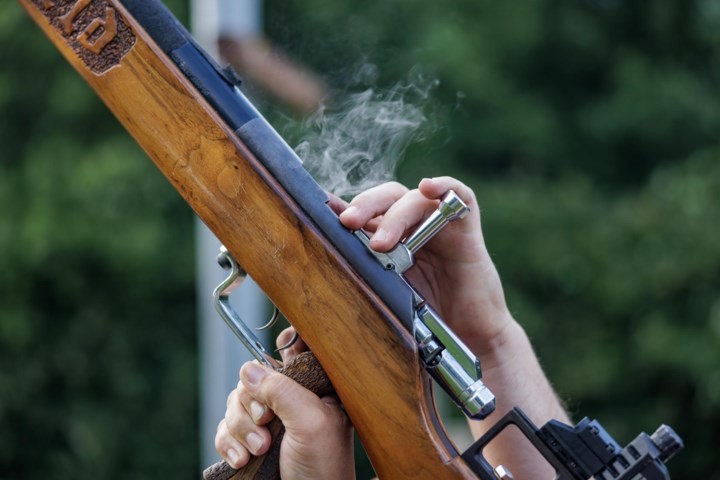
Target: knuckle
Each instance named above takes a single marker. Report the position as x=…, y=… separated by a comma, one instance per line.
x=361, y=198
x=273, y=389
x=272, y=384
x=234, y=421
x=284, y=337
x=411, y=196
x=220, y=436
x=395, y=185
x=232, y=398
x=243, y=398
x=465, y=192
x=392, y=188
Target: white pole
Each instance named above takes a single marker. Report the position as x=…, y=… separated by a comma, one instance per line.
x=220, y=353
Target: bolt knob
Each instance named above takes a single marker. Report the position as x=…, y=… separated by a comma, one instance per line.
x=451, y=208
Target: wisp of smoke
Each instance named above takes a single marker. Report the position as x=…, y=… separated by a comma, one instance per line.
x=358, y=142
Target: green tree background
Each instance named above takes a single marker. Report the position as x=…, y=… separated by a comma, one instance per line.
x=588, y=128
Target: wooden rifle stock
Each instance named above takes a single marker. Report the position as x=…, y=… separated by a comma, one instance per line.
x=362, y=343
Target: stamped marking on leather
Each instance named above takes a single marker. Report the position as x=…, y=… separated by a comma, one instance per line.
x=94, y=29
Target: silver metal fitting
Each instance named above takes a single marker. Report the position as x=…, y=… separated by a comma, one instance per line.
x=452, y=365
x=400, y=258
x=451, y=208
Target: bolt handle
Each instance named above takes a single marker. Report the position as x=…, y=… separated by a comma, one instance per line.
x=451, y=208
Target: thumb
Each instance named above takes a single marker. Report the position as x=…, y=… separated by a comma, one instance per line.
x=299, y=409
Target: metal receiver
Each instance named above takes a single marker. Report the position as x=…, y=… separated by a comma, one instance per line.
x=445, y=356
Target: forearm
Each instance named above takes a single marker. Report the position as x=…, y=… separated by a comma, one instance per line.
x=512, y=371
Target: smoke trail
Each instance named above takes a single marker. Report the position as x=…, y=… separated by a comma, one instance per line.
x=358, y=141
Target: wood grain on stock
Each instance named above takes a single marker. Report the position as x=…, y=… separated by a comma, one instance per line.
x=305, y=370
x=370, y=358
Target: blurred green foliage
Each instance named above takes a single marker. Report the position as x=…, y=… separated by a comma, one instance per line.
x=97, y=324
x=588, y=128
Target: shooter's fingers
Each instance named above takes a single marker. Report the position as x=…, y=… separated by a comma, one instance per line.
x=370, y=204
x=231, y=450
x=244, y=418
x=401, y=218
x=337, y=204
x=435, y=188
x=284, y=339
x=240, y=404
x=304, y=414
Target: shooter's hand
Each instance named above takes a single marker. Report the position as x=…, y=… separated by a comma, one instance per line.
x=453, y=271
x=455, y=274
x=318, y=435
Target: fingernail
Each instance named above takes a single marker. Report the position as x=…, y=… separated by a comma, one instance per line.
x=379, y=236
x=256, y=410
x=254, y=441
x=253, y=374
x=349, y=212
x=233, y=457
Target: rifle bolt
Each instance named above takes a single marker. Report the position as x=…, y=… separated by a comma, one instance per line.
x=451, y=207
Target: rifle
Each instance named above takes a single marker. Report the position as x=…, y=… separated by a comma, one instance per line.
x=375, y=337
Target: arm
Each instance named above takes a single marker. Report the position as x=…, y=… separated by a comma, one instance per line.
x=456, y=275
